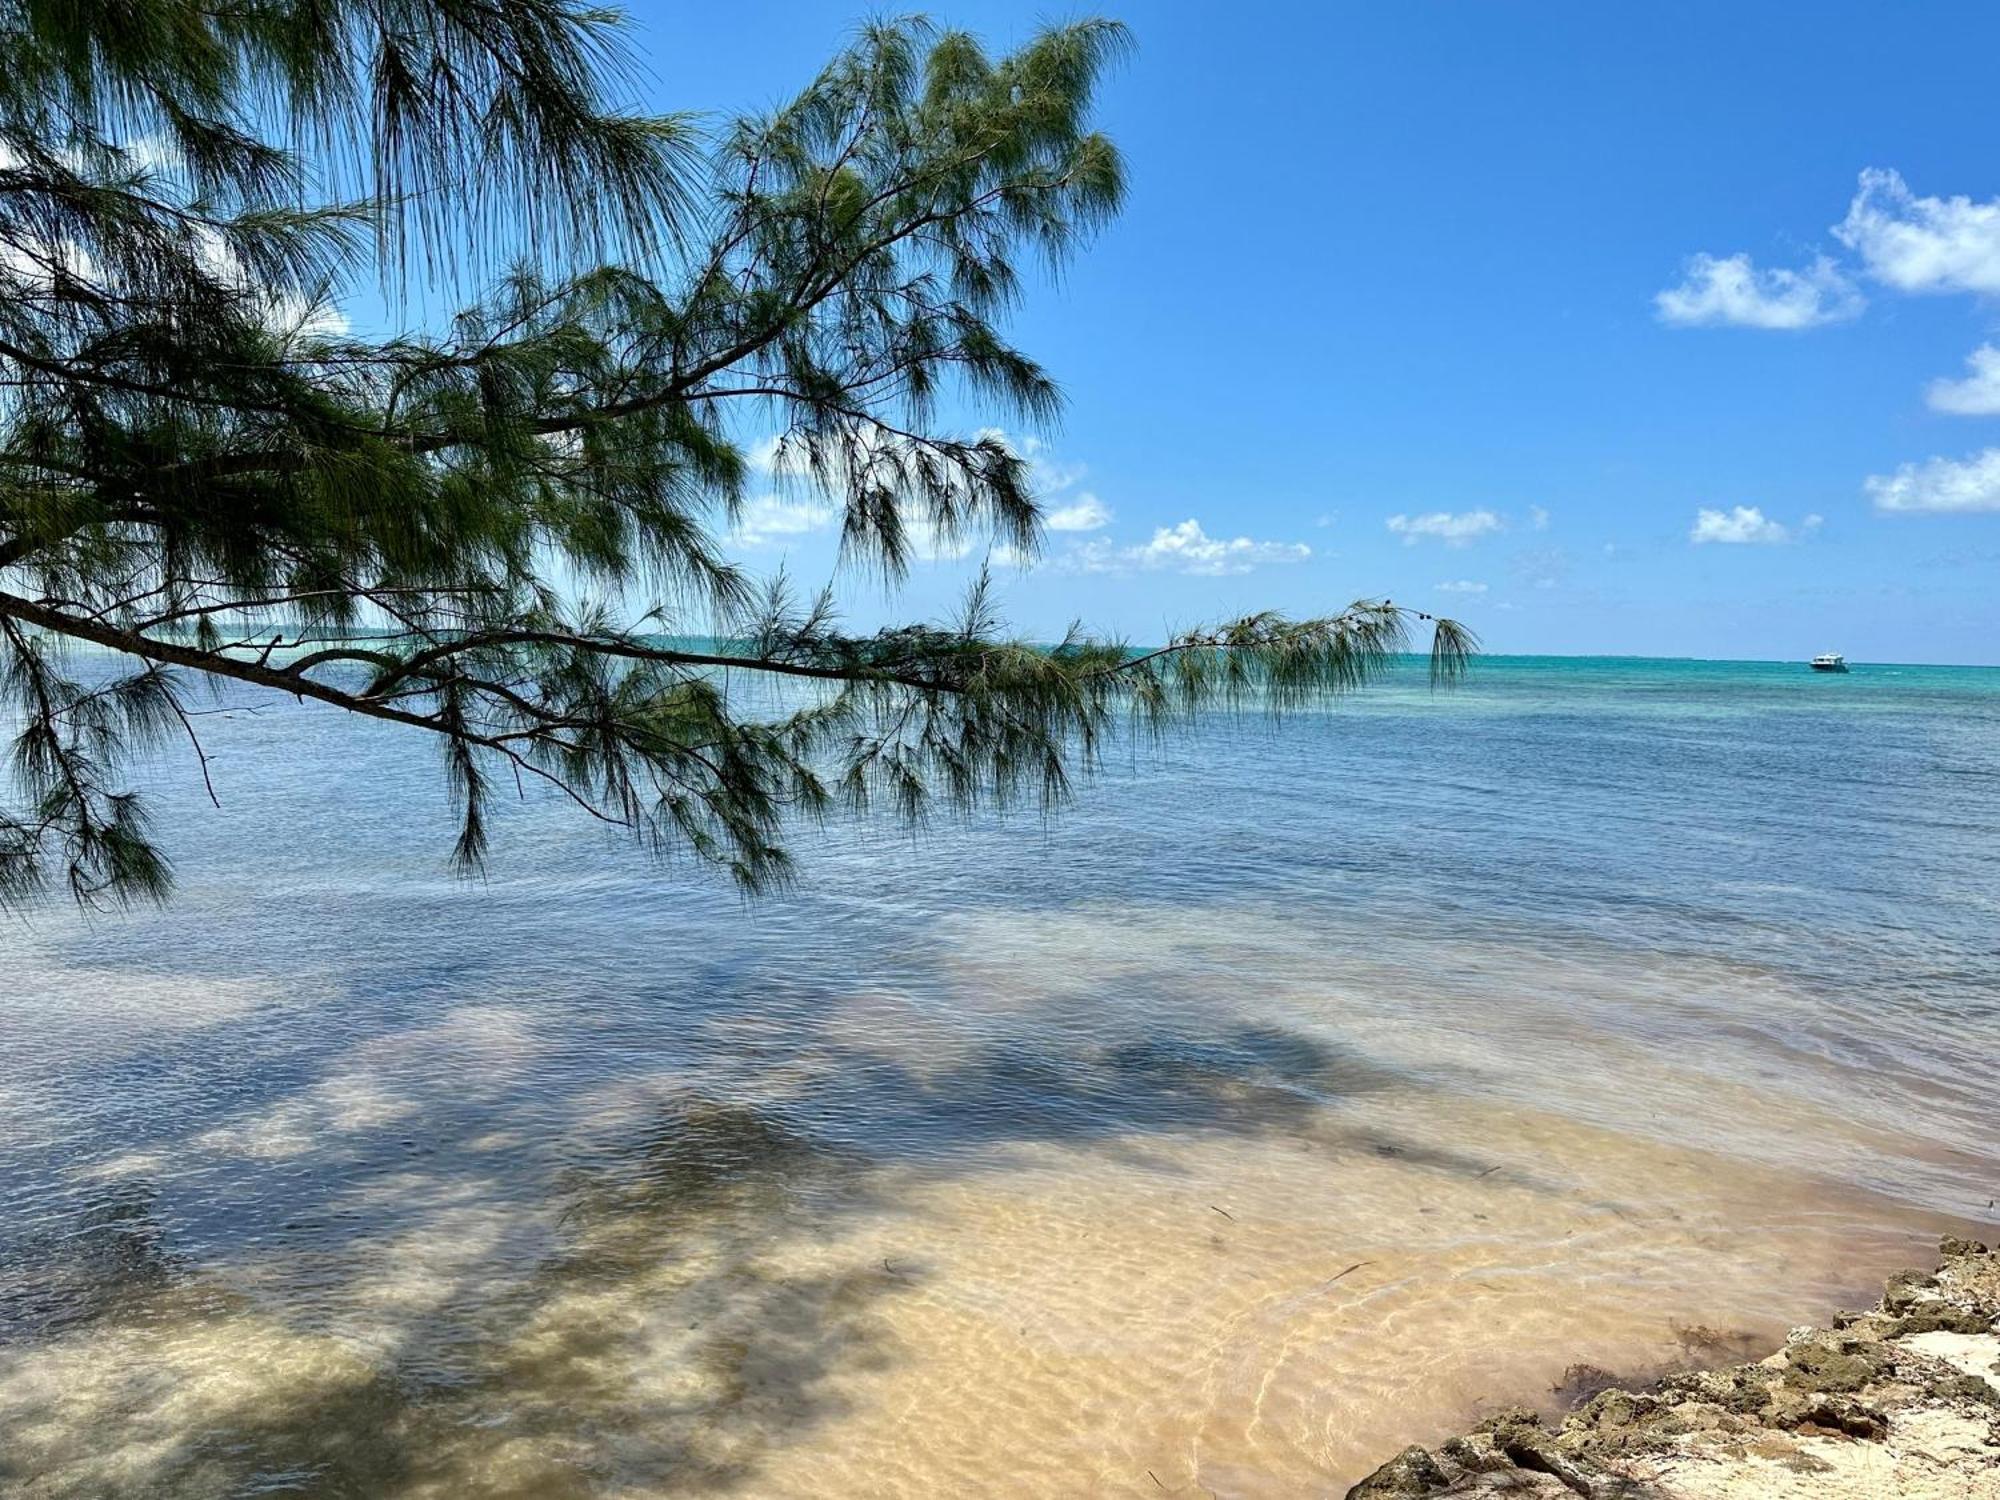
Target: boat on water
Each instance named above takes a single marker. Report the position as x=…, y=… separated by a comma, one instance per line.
x=1829, y=661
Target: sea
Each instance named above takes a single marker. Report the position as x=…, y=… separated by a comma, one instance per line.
x=1302, y=1091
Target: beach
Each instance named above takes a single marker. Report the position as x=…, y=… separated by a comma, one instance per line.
x=1900, y=1401
x=1279, y=1106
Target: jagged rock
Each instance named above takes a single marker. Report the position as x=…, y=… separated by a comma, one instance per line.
x=1476, y=1454
x=1824, y=1411
x=1969, y=1388
x=1531, y=1449
x=1410, y=1475
x=1849, y=1365
x=1835, y=1414
x=1906, y=1289
x=1940, y=1317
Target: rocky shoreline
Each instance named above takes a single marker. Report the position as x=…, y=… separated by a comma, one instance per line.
x=1901, y=1402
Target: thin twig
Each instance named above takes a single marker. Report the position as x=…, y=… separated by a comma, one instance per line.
x=1355, y=1267
x=200, y=754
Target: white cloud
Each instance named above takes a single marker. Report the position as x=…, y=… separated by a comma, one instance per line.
x=294, y=316
x=1085, y=513
x=37, y=262
x=1185, y=548
x=763, y=455
x=1978, y=395
x=1942, y=485
x=34, y=263
x=927, y=543
x=786, y=460
x=1051, y=479
x=1731, y=291
x=1922, y=244
x=1745, y=524
x=287, y=313
x=768, y=517
x=1461, y=586
x=1049, y=476
x=1453, y=530
x=1096, y=556
x=1538, y=517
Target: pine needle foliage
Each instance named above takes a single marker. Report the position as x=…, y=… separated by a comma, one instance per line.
x=203, y=472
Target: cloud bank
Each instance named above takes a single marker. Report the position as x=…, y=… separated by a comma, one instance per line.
x=1185, y=548
x=1746, y=525
x=1943, y=485
x=1730, y=291
x=1922, y=244
x=1978, y=394
x=1085, y=513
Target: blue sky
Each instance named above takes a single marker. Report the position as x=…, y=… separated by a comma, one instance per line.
x=1407, y=260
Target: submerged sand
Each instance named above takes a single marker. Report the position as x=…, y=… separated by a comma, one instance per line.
x=1899, y=1403
x=1135, y=1318
x=1097, y=1215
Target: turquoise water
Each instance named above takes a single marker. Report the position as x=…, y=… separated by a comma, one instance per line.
x=1731, y=926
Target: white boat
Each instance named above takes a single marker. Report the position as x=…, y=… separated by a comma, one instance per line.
x=1829, y=661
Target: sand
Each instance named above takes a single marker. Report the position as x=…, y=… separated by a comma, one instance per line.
x=1083, y=1214
x=1899, y=1403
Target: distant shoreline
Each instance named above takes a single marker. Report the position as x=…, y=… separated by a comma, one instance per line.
x=1411, y=658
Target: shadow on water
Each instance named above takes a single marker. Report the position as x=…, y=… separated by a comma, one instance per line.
x=112, y=1256
x=647, y=1325
x=648, y=1345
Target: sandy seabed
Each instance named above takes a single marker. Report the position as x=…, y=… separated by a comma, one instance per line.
x=1121, y=1319
x=1236, y=1243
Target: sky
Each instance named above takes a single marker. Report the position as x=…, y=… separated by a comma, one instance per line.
x=1660, y=330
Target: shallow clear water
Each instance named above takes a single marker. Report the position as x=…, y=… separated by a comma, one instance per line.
x=1296, y=1096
